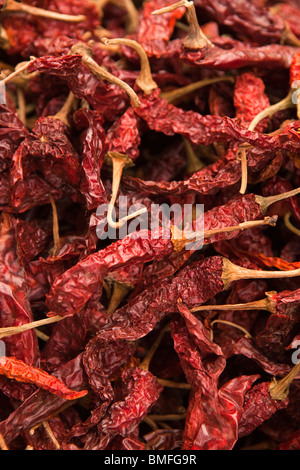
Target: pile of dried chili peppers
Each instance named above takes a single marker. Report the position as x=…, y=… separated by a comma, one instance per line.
x=147, y=339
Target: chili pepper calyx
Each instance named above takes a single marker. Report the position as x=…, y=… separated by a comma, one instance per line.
x=100, y=72
x=195, y=38
x=144, y=80
x=266, y=202
x=279, y=390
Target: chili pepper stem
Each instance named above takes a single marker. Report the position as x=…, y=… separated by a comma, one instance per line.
x=62, y=114
x=265, y=202
x=150, y=423
x=41, y=335
x=288, y=36
x=172, y=384
x=132, y=15
x=177, y=94
x=50, y=433
x=119, y=293
x=4, y=39
x=17, y=71
x=193, y=162
x=56, y=237
x=13, y=6
x=147, y=359
x=195, y=38
x=264, y=304
x=232, y=272
x=102, y=73
x=289, y=225
x=244, y=170
x=15, y=330
x=168, y=417
x=21, y=105
x=229, y=323
x=3, y=445
x=280, y=390
x=119, y=161
x=271, y=110
x=179, y=241
x=144, y=80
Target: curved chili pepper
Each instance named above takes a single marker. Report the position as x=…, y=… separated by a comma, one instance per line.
x=196, y=352
x=247, y=19
x=18, y=370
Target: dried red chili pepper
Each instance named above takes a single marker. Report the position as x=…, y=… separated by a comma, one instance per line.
x=205, y=54
x=41, y=404
x=18, y=370
x=258, y=407
x=123, y=251
x=15, y=306
x=93, y=149
x=250, y=99
x=225, y=373
x=154, y=32
x=207, y=425
x=248, y=20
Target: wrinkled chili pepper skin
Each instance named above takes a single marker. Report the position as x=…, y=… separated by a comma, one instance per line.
x=91, y=380
x=246, y=19
x=142, y=392
x=42, y=403
x=13, y=132
x=195, y=350
x=93, y=149
x=124, y=135
x=155, y=31
x=258, y=407
x=15, y=305
x=273, y=57
x=195, y=284
x=70, y=293
x=18, y=370
x=250, y=99
x=109, y=100
x=225, y=172
x=169, y=119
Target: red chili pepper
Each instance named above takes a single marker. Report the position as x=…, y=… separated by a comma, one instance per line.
x=247, y=19
x=18, y=370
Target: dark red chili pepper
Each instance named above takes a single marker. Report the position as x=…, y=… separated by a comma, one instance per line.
x=258, y=407
x=123, y=251
x=154, y=32
x=207, y=425
x=149, y=338
x=247, y=19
